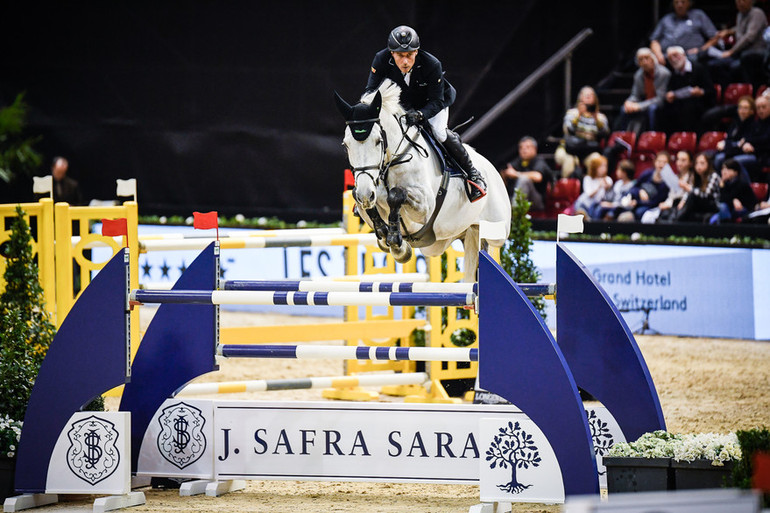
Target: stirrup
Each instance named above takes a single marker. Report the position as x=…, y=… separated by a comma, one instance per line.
x=474, y=191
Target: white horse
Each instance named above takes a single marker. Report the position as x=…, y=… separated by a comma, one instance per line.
x=399, y=179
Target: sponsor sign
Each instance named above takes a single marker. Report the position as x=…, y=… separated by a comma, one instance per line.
x=92, y=455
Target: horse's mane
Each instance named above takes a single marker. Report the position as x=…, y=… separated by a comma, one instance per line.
x=391, y=92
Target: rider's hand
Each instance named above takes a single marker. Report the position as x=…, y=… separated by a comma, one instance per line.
x=414, y=117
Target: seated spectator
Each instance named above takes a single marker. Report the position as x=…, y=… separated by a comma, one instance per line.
x=528, y=172
x=690, y=92
x=743, y=61
x=736, y=134
x=610, y=205
x=584, y=129
x=755, y=149
x=649, y=190
x=595, y=184
x=685, y=27
x=666, y=211
x=701, y=197
x=736, y=197
x=647, y=94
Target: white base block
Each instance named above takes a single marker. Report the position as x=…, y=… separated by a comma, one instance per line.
x=197, y=487
x=217, y=488
x=113, y=502
x=491, y=507
x=29, y=500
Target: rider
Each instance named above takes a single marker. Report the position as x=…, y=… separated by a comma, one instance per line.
x=426, y=95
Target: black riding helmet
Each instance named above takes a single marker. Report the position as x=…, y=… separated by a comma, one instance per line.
x=403, y=39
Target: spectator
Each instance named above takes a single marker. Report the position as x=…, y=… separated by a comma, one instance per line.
x=685, y=27
x=595, y=184
x=667, y=210
x=584, y=128
x=528, y=172
x=647, y=94
x=701, y=198
x=65, y=188
x=690, y=93
x=736, y=197
x=649, y=191
x=743, y=61
x=611, y=204
x=756, y=146
x=732, y=145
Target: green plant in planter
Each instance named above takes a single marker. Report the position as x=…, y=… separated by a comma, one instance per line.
x=716, y=448
x=752, y=441
x=514, y=257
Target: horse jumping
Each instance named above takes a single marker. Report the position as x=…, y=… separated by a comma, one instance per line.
x=398, y=179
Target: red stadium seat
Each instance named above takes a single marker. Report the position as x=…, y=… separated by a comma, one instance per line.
x=760, y=190
x=628, y=137
x=679, y=141
x=648, y=145
x=733, y=93
x=761, y=90
x=561, y=196
x=708, y=140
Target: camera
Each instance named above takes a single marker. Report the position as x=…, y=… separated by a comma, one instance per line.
x=591, y=107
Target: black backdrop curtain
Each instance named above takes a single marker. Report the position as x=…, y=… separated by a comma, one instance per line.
x=228, y=105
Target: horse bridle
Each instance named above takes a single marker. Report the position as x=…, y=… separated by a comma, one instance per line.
x=383, y=166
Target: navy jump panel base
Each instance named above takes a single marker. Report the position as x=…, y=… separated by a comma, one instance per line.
x=88, y=356
x=601, y=351
x=520, y=361
x=179, y=346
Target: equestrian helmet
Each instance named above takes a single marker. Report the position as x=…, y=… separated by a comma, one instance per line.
x=403, y=39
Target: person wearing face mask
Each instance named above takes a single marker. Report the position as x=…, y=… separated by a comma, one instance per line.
x=584, y=128
x=690, y=92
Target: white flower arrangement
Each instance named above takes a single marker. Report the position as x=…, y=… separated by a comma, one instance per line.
x=717, y=448
x=10, y=434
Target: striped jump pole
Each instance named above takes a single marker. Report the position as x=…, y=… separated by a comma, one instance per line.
x=256, y=242
x=268, y=385
x=245, y=297
x=415, y=354
x=530, y=289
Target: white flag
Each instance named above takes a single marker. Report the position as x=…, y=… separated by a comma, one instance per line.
x=127, y=187
x=569, y=224
x=42, y=184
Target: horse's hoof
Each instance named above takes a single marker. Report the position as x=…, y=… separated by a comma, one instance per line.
x=403, y=254
x=382, y=245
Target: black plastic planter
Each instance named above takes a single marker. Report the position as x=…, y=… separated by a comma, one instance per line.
x=638, y=474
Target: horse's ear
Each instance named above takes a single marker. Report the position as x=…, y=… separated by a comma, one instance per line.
x=345, y=109
x=377, y=103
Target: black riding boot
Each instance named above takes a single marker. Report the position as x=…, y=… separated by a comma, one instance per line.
x=477, y=187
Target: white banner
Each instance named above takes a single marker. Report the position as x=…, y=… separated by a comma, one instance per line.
x=353, y=442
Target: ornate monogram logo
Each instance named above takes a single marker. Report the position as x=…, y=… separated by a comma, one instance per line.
x=181, y=440
x=93, y=455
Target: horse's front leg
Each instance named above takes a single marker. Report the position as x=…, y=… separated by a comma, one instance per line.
x=400, y=250
x=380, y=228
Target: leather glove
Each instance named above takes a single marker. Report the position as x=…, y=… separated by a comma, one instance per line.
x=414, y=117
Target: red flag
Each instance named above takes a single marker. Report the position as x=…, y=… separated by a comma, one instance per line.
x=761, y=478
x=114, y=227
x=205, y=221
x=350, y=180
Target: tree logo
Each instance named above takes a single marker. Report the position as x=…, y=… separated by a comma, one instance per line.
x=600, y=435
x=513, y=447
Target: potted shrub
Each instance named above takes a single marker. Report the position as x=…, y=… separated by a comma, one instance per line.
x=25, y=335
x=668, y=461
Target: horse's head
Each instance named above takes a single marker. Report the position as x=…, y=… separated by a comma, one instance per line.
x=366, y=144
